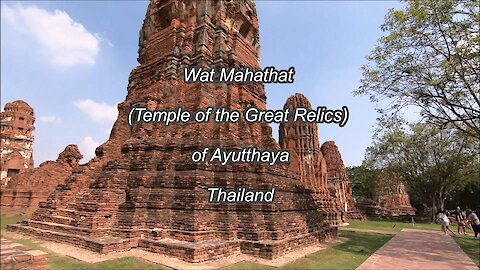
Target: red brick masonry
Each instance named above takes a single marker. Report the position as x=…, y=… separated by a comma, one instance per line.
x=17, y=256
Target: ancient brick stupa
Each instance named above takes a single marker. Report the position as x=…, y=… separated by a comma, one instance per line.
x=390, y=201
x=143, y=190
x=26, y=190
x=301, y=139
x=17, y=134
x=338, y=180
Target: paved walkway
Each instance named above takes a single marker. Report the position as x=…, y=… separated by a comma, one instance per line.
x=416, y=249
x=367, y=231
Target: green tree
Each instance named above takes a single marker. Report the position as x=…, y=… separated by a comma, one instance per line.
x=434, y=162
x=429, y=59
x=365, y=181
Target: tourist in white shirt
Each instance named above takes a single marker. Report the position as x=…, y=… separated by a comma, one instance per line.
x=444, y=222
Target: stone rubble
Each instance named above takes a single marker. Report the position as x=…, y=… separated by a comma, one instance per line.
x=15, y=256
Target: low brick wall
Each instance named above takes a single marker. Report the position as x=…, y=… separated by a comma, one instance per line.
x=16, y=256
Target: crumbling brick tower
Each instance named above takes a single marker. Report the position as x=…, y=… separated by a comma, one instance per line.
x=338, y=180
x=17, y=133
x=301, y=139
x=144, y=190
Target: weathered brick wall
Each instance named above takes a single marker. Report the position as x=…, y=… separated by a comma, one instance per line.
x=26, y=190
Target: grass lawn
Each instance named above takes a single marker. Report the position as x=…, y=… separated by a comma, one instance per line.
x=394, y=226
x=4, y=220
x=470, y=246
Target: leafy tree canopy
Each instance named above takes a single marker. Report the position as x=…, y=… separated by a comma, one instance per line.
x=429, y=59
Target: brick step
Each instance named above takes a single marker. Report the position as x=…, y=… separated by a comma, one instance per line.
x=66, y=212
x=58, y=227
x=270, y=249
x=192, y=251
x=62, y=220
x=104, y=244
x=355, y=215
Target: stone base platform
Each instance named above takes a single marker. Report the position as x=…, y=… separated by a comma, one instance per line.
x=193, y=252
x=201, y=251
x=173, y=262
x=15, y=256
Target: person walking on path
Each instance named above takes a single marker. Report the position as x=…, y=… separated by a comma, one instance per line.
x=461, y=220
x=444, y=222
x=474, y=221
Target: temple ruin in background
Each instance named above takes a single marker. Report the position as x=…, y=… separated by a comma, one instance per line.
x=389, y=201
x=16, y=135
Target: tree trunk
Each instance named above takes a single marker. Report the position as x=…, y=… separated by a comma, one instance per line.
x=434, y=210
x=440, y=201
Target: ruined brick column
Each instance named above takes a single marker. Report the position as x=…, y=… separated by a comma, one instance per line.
x=301, y=139
x=26, y=190
x=143, y=190
x=17, y=133
x=338, y=180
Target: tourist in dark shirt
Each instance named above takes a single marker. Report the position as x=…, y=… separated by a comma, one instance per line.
x=474, y=221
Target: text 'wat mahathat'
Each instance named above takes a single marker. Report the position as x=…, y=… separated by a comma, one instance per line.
x=142, y=189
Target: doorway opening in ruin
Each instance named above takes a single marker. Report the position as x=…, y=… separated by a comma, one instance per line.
x=12, y=172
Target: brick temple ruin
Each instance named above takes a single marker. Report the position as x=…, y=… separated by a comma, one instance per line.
x=143, y=190
x=338, y=180
x=301, y=139
x=391, y=201
x=16, y=136
x=24, y=191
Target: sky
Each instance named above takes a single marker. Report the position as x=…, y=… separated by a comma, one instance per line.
x=70, y=60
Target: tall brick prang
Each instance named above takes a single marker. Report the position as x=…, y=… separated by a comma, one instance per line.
x=143, y=190
x=338, y=180
x=301, y=139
